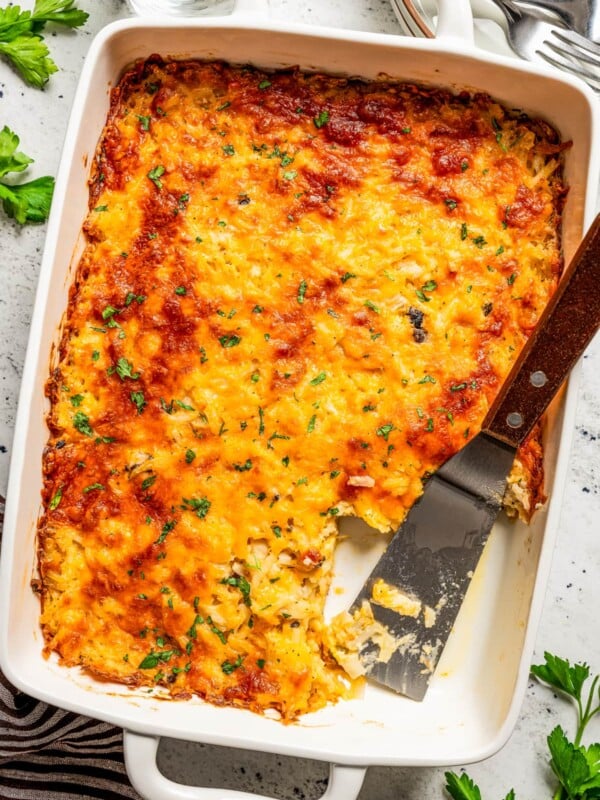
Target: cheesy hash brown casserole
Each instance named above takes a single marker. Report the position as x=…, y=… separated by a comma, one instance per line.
x=299, y=296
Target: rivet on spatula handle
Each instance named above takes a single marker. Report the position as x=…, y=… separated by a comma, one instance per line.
x=564, y=330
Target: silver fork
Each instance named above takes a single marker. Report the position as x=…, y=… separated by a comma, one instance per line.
x=582, y=16
x=534, y=40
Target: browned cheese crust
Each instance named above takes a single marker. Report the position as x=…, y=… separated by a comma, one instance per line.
x=299, y=296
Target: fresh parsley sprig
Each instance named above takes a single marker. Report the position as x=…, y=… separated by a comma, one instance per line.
x=577, y=767
x=24, y=202
x=21, y=41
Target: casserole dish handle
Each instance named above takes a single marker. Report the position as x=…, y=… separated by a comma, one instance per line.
x=140, y=759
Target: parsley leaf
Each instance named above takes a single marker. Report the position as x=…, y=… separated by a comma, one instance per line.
x=81, y=423
x=570, y=764
x=10, y=159
x=229, y=341
x=229, y=667
x=24, y=202
x=385, y=430
x=62, y=12
x=55, y=500
x=461, y=788
x=155, y=174
x=321, y=119
x=189, y=456
x=137, y=398
x=301, y=292
x=561, y=675
x=240, y=583
x=201, y=505
x=21, y=42
x=124, y=369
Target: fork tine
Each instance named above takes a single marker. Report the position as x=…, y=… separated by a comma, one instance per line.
x=591, y=78
x=575, y=56
x=572, y=38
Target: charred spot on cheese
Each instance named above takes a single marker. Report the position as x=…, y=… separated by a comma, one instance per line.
x=299, y=295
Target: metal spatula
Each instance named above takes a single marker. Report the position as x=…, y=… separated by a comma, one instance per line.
x=417, y=587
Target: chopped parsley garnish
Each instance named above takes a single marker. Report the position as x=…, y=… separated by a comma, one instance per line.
x=451, y=204
x=55, y=500
x=321, y=119
x=153, y=659
x=76, y=400
x=427, y=379
x=242, y=584
x=189, y=456
x=301, y=292
x=124, y=369
x=319, y=379
x=289, y=175
x=276, y=530
x=464, y=231
x=228, y=667
x=458, y=387
x=261, y=421
x=137, y=398
x=228, y=149
x=511, y=278
x=311, y=424
x=184, y=406
x=346, y=276
x=192, y=632
x=385, y=430
x=95, y=355
x=93, y=487
x=264, y=85
x=82, y=423
x=181, y=290
x=109, y=312
x=155, y=174
x=167, y=407
x=148, y=482
x=245, y=467
x=260, y=663
x=429, y=427
x=144, y=122
x=372, y=306
x=101, y=208
x=430, y=286
x=223, y=106
x=257, y=310
x=166, y=530
x=131, y=296
x=201, y=505
x=229, y=341
x=213, y=628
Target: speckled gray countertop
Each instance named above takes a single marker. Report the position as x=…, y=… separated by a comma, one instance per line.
x=569, y=624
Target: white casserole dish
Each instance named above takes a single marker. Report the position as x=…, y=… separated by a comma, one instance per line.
x=475, y=696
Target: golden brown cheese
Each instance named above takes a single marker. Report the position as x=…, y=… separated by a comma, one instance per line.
x=299, y=296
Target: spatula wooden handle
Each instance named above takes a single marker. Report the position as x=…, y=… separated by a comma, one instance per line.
x=564, y=330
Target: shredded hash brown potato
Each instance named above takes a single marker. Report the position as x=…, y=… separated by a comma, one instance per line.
x=299, y=297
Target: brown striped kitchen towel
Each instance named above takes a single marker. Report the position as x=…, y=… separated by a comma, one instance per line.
x=49, y=754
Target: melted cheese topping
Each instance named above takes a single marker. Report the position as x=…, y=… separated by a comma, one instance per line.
x=299, y=297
